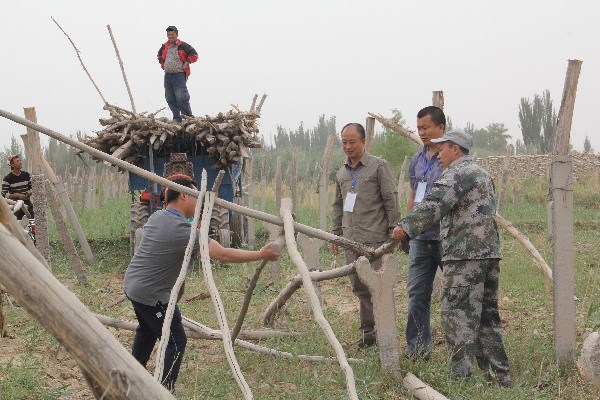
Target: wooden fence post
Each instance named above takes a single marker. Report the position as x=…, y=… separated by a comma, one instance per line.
x=370, y=131
x=323, y=180
x=561, y=195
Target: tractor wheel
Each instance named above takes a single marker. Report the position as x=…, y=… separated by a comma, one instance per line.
x=236, y=223
x=138, y=217
x=219, y=221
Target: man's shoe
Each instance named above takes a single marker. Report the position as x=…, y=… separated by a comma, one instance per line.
x=504, y=379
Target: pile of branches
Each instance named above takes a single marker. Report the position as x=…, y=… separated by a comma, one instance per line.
x=225, y=137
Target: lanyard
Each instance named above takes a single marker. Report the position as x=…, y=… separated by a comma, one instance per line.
x=169, y=211
x=426, y=166
x=353, y=177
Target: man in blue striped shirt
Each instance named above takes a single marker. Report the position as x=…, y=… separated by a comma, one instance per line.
x=425, y=254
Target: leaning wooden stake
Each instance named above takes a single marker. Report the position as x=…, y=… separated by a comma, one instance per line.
x=504, y=180
x=250, y=205
x=166, y=328
x=561, y=196
x=216, y=298
x=323, y=179
x=370, y=134
x=63, y=195
x=92, y=346
x=401, y=181
x=388, y=123
x=112, y=38
x=288, y=223
x=80, y=60
x=277, y=246
x=65, y=237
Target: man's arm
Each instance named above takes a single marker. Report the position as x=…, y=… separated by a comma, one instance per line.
x=192, y=54
x=159, y=55
x=221, y=253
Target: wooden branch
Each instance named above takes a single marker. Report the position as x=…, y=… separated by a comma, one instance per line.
x=277, y=246
x=122, y=68
x=388, y=123
x=288, y=223
x=214, y=293
x=296, y=282
x=80, y=60
x=310, y=231
x=420, y=389
x=57, y=309
x=567, y=105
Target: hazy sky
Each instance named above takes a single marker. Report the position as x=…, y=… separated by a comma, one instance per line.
x=342, y=58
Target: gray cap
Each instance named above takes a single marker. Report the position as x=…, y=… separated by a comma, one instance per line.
x=458, y=136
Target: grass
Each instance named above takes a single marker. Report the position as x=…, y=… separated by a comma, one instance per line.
x=526, y=307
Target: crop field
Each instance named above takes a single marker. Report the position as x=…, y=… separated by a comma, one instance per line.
x=33, y=365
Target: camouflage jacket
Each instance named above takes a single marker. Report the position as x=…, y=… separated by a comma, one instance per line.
x=463, y=198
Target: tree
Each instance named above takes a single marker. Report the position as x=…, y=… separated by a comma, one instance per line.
x=538, y=123
x=587, y=146
x=492, y=138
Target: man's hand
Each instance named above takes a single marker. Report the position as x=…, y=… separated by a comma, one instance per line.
x=268, y=254
x=398, y=233
x=185, y=65
x=334, y=248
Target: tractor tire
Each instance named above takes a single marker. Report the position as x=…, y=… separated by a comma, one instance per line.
x=138, y=217
x=236, y=224
x=219, y=221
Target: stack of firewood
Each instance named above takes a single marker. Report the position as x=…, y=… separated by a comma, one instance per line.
x=224, y=136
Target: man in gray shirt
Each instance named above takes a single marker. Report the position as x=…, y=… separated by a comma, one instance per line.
x=154, y=269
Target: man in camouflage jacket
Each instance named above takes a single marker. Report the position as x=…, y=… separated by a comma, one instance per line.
x=463, y=198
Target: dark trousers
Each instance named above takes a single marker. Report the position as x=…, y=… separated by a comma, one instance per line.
x=151, y=319
x=425, y=258
x=360, y=290
x=177, y=95
x=20, y=214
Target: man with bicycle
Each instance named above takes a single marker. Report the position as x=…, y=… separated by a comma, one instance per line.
x=17, y=185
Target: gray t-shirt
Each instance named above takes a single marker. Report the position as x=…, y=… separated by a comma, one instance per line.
x=154, y=268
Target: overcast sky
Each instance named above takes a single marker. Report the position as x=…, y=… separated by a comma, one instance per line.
x=342, y=58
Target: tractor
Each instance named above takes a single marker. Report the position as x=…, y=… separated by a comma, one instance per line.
x=186, y=157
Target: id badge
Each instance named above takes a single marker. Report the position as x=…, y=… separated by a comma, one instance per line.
x=349, y=203
x=420, y=193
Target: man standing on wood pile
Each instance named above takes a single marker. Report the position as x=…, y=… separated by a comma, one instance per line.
x=18, y=185
x=464, y=200
x=365, y=210
x=154, y=269
x=425, y=254
x=175, y=57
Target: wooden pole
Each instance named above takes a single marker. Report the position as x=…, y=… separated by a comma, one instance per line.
x=65, y=237
x=250, y=204
x=561, y=196
x=263, y=184
x=323, y=180
x=401, y=181
x=370, y=133
x=504, y=180
x=286, y=214
x=278, y=183
x=122, y=68
x=93, y=347
x=62, y=194
x=294, y=183
x=308, y=230
x=438, y=99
